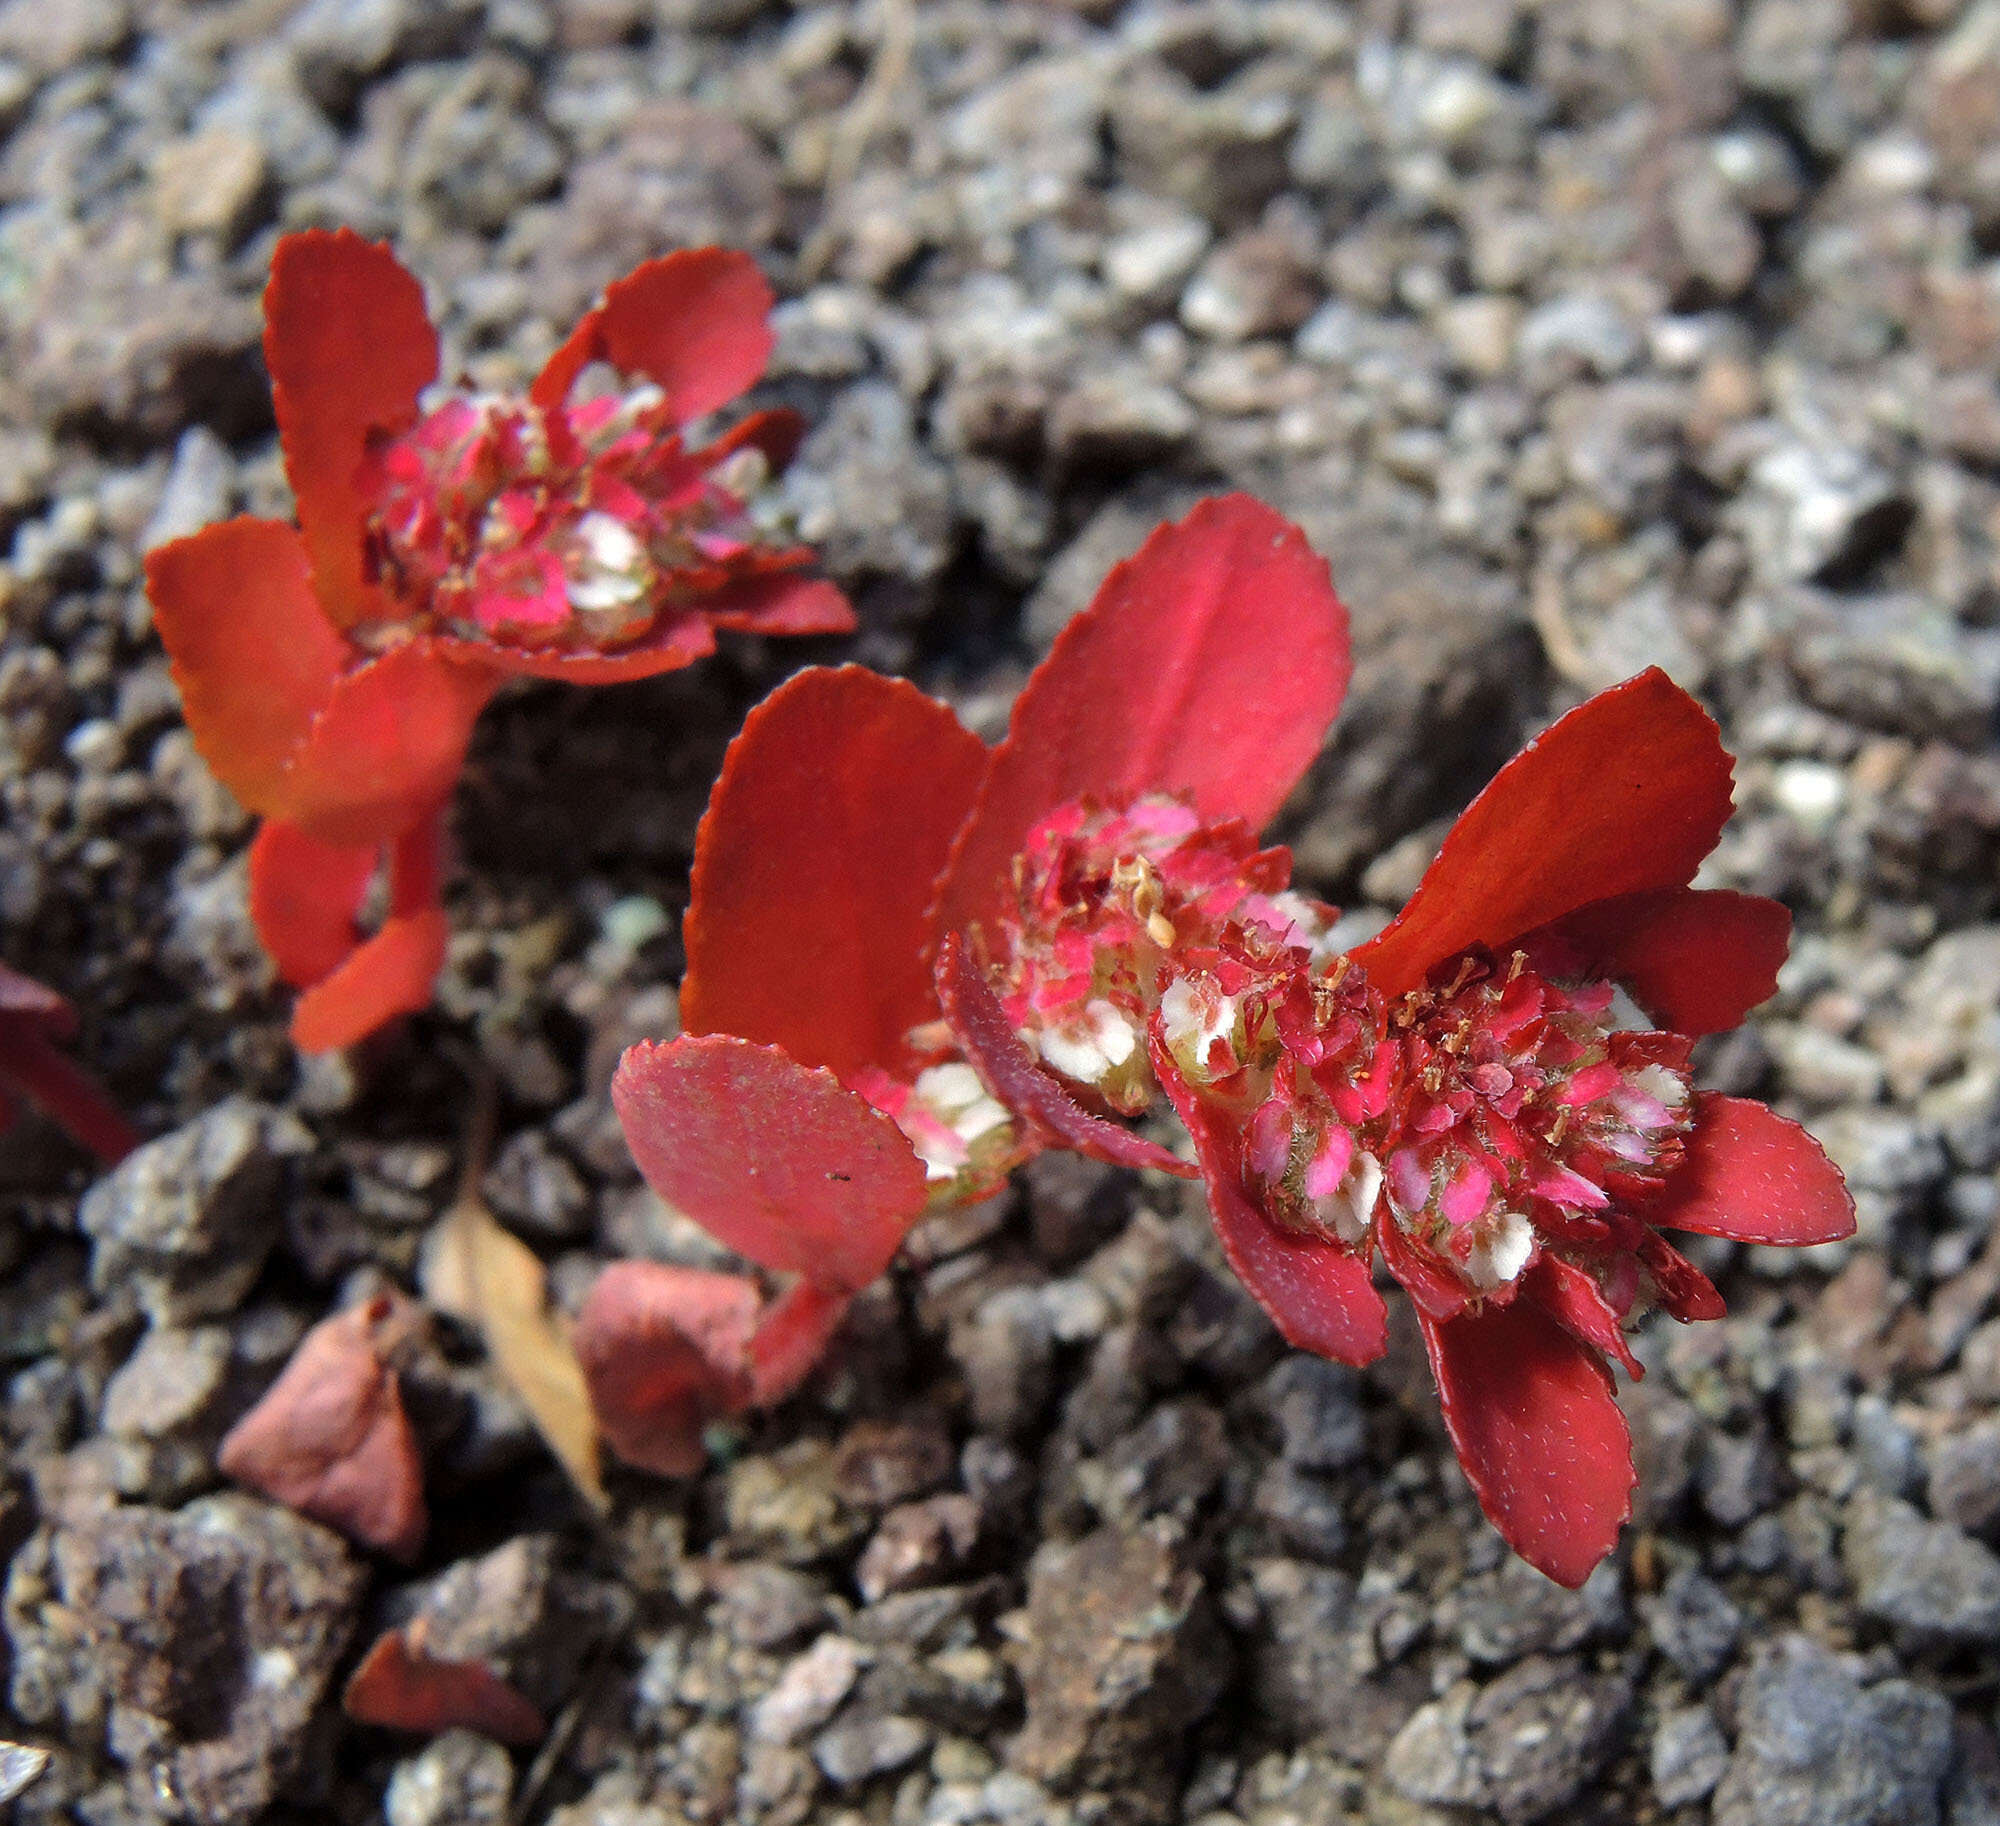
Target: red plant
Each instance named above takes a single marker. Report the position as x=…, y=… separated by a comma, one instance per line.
x=331, y=671
x=32, y=1019
x=943, y=958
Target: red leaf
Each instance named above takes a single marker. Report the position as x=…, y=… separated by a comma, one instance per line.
x=1533, y=1418
x=815, y=864
x=69, y=1095
x=1318, y=1292
x=784, y=603
x=1570, y=1295
x=791, y=1338
x=1209, y=663
x=776, y=1161
x=695, y=323
x=1753, y=1176
x=304, y=898
x=253, y=653
x=391, y=973
x=388, y=746
x=997, y=1053
x=1684, y=1290
x=1696, y=960
x=350, y=347
x=402, y=1687
x=330, y=1438
x=1625, y=794
x=665, y=1350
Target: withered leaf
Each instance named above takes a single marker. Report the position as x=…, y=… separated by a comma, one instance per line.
x=486, y=1277
x=401, y=1686
x=330, y=1437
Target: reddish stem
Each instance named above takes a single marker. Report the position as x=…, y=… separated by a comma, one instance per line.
x=796, y=1328
x=416, y=866
x=66, y=1091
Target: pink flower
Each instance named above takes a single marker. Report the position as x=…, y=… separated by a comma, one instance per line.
x=912, y=962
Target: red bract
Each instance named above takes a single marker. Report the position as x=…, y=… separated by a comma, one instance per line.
x=32, y=1019
x=1460, y=1095
x=331, y=672
x=825, y=1105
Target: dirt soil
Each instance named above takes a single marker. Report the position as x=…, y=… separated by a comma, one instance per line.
x=1580, y=336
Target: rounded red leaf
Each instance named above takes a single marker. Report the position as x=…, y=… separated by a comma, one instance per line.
x=664, y=1351
x=331, y=1440
x=387, y=747
x=1751, y=1175
x=388, y=974
x=815, y=865
x=1210, y=663
x=350, y=348
x=1625, y=794
x=773, y=1159
x=1319, y=1292
x=304, y=898
x=695, y=323
x=252, y=651
x=1532, y=1415
x=1696, y=960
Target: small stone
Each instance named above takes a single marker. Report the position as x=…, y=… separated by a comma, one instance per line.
x=1480, y=331
x=520, y=1611
x=1689, y=1756
x=208, y=183
x=1523, y=1746
x=1927, y=1578
x=766, y=1606
x=1514, y=1611
x=1814, y=1748
x=1122, y=1655
x=808, y=1692
x=858, y=1749
x=183, y=1224
x=922, y=1543
x=1965, y=1477
x=1149, y=261
x=1250, y=286
x=881, y=1463
x=1693, y=1624
x=459, y=1780
x=1314, y=1664
x=193, y=1646
x=169, y=1382
x=1317, y=1407
x=1303, y=1514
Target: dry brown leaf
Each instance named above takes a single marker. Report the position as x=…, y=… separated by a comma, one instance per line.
x=486, y=1277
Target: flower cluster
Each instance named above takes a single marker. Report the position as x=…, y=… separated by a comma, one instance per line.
x=895, y=995
x=448, y=540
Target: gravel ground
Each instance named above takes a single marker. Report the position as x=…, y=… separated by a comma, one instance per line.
x=1580, y=335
